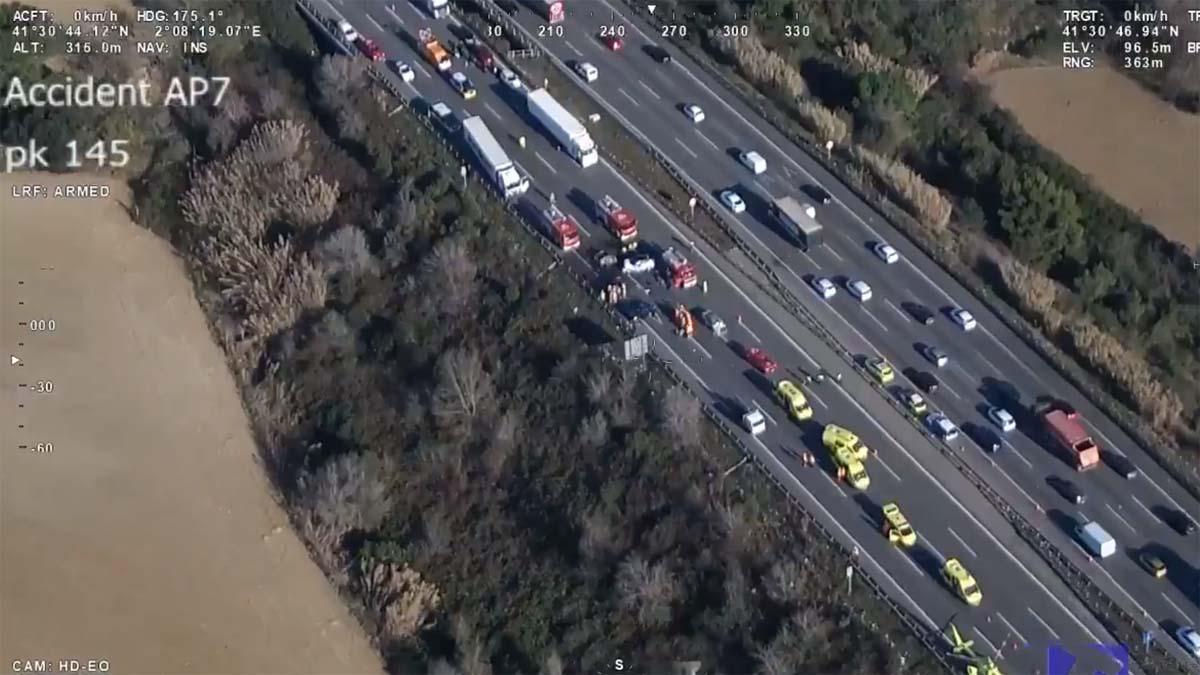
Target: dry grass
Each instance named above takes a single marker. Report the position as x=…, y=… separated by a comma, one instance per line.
x=860, y=57
x=763, y=66
x=1131, y=144
x=1037, y=295
x=822, y=121
x=918, y=197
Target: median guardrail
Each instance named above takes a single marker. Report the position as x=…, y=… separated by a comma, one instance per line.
x=1113, y=616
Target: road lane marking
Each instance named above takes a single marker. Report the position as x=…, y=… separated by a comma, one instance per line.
x=818, y=400
x=1139, y=503
x=897, y=310
x=929, y=545
x=543, y=161
x=1121, y=588
x=631, y=99
x=572, y=48
x=647, y=88
x=394, y=14
x=763, y=410
x=889, y=469
x=492, y=110
x=947, y=387
x=627, y=22
x=1012, y=628
x=422, y=71
x=1041, y=621
x=1186, y=618
x=686, y=148
x=707, y=140
x=1013, y=451
x=1164, y=493
x=985, y=639
x=835, y=254
x=678, y=359
x=752, y=333
x=910, y=561
x=990, y=364
x=1016, y=485
x=870, y=418
x=1121, y=518
x=961, y=542
x=1011, y=355
x=835, y=485
x=876, y=320
x=700, y=347
x=374, y=22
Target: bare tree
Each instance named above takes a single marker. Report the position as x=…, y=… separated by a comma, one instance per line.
x=681, y=416
x=593, y=432
x=598, y=540
x=338, y=75
x=220, y=135
x=270, y=101
x=436, y=530
x=348, y=493
x=648, y=590
x=350, y=122
x=504, y=435
x=784, y=582
x=598, y=385
x=453, y=270
x=780, y=656
x=346, y=250
x=464, y=388
x=553, y=664
x=404, y=601
x=738, y=608
x=234, y=108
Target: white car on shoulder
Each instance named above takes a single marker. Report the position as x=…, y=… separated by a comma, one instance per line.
x=824, y=287
x=963, y=318
x=733, y=201
x=754, y=422
x=1001, y=418
x=753, y=161
x=694, y=113
x=586, y=71
x=886, y=253
x=404, y=70
x=859, y=289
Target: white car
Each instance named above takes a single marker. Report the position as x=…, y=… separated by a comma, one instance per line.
x=733, y=201
x=935, y=356
x=824, y=287
x=404, y=70
x=694, y=113
x=347, y=31
x=1189, y=639
x=586, y=71
x=638, y=264
x=886, y=253
x=754, y=422
x=942, y=426
x=859, y=289
x=510, y=78
x=963, y=318
x=1001, y=418
x=753, y=161
x=462, y=84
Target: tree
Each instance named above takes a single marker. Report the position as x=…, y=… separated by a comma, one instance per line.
x=453, y=271
x=465, y=388
x=404, y=601
x=1041, y=218
x=1095, y=283
x=681, y=416
x=346, y=251
x=648, y=590
x=348, y=492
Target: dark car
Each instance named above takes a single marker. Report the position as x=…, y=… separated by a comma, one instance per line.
x=1180, y=522
x=658, y=53
x=920, y=313
x=925, y=381
x=635, y=309
x=508, y=6
x=1119, y=463
x=1067, y=489
x=985, y=437
x=483, y=57
x=818, y=193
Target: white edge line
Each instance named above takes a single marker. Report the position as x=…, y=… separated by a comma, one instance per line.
x=963, y=543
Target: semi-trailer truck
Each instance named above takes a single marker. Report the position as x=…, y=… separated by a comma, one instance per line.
x=496, y=163
x=563, y=127
x=799, y=220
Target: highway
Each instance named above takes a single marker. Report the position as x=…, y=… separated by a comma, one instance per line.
x=951, y=518
x=986, y=365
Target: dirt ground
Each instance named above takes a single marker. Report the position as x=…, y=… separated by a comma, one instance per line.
x=148, y=536
x=1138, y=149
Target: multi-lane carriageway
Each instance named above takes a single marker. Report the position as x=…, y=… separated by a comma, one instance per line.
x=950, y=516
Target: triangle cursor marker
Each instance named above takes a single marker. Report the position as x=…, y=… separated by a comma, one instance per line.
x=651, y=8
x=13, y=360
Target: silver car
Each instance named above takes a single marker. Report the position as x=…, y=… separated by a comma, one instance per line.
x=714, y=322
x=935, y=356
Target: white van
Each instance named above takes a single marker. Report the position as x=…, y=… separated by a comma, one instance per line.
x=587, y=71
x=753, y=161
x=1096, y=539
x=754, y=422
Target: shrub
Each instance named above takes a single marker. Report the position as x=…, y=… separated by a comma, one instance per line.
x=917, y=196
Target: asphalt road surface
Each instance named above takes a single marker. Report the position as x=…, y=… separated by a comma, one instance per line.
x=988, y=366
x=950, y=516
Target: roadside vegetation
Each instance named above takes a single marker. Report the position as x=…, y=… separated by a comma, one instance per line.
x=978, y=192
x=438, y=409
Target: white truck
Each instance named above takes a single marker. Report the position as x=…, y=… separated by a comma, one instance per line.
x=799, y=220
x=562, y=125
x=499, y=168
x=438, y=9
x=1096, y=540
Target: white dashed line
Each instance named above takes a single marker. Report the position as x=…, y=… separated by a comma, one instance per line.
x=889, y=469
x=1139, y=503
x=1019, y=488
x=947, y=387
x=572, y=48
x=1041, y=621
x=1012, y=628
x=897, y=310
x=697, y=345
x=1164, y=493
x=834, y=253
x=1121, y=518
x=707, y=140
x=985, y=639
x=631, y=99
x=492, y=110
x=876, y=320
x=1013, y=451
x=394, y=14
x=374, y=22
x=686, y=148
x=543, y=161
x=961, y=542
x=648, y=89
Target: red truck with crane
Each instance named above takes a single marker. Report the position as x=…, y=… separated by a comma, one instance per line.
x=1063, y=426
x=680, y=272
x=619, y=220
x=563, y=228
